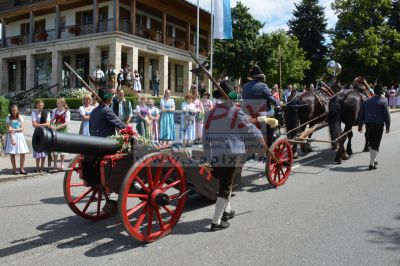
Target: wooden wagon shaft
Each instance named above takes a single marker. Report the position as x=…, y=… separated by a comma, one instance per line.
x=304, y=140
x=93, y=81
x=306, y=123
x=309, y=131
x=84, y=83
x=226, y=97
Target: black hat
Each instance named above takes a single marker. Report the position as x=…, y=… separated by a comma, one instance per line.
x=378, y=89
x=226, y=86
x=256, y=72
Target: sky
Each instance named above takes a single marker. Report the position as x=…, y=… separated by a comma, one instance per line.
x=275, y=13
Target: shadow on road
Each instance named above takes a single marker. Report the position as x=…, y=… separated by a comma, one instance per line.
x=387, y=236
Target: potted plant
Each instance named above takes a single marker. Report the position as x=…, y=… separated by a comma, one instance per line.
x=75, y=30
x=15, y=40
x=180, y=44
x=203, y=51
x=152, y=34
x=42, y=36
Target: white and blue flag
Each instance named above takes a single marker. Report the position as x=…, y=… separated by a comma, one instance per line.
x=222, y=20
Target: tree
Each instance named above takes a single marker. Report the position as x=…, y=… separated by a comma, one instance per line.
x=309, y=25
x=276, y=47
x=233, y=56
x=364, y=41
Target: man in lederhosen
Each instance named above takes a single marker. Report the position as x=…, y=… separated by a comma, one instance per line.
x=374, y=114
x=258, y=100
x=227, y=138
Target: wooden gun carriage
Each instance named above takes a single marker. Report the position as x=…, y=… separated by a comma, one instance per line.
x=152, y=183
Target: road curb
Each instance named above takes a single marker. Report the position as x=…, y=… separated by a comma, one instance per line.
x=20, y=176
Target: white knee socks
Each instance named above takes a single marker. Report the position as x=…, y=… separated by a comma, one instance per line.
x=219, y=210
x=372, y=156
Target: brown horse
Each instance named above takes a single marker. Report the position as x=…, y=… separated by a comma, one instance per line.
x=308, y=108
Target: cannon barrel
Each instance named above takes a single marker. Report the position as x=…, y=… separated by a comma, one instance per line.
x=48, y=140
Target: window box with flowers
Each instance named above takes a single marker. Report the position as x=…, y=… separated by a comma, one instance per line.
x=75, y=30
x=15, y=40
x=180, y=44
x=41, y=36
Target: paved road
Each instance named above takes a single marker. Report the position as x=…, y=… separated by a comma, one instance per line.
x=326, y=214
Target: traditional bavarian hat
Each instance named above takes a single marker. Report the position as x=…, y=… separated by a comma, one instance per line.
x=378, y=89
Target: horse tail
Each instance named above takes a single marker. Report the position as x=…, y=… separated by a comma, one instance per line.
x=334, y=115
x=292, y=116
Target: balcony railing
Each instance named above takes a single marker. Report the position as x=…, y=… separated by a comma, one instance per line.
x=154, y=35
x=17, y=40
x=42, y=36
x=202, y=50
x=76, y=30
x=106, y=25
x=125, y=26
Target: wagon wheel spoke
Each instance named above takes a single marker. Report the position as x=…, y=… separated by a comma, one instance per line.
x=283, y=173
x=140, y=196
x=82, y=196
x=174, y=196
x=168, y=210
x=165, y=178
x=136, y=208
x=99, y=195
x=139, y=180
x=284, y=155
x=82, y=184
x=149, y=220
x=158, y=173
x=149, y=176
x=171, y=185
x=141, y=218
x=89, y=201
x=159, y=218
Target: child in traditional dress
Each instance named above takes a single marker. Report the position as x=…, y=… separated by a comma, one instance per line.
x=188, y=119
x=60, y=119
x=15, y=142
x=155, y=118
x=40, y=118
x=143, y=119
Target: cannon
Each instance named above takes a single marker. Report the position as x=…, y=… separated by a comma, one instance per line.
x=148, y=186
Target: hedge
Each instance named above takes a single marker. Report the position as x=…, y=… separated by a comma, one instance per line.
x=4, y=111
x=75, y=103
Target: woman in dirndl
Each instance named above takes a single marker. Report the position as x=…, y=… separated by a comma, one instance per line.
x=137, y=86
x=40, y=118
x=15, y=141
x=188, y=119
x=167, y=124
x=154, y=118
x=60, y=119
x=392, y=97
x=85, y=111
x=143, y=118
x=199, y=115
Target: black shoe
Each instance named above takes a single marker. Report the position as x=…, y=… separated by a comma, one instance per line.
x=228, y=215
x=217, y=227
x=371, y=167
x=376, y=164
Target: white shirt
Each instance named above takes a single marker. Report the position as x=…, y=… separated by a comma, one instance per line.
x=98, y=74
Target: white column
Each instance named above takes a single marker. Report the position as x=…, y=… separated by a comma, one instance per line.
x=187, y=76
x=56, y=68
x=135, y=58
x=115, y=55
x=163, y=71
x=30, y=71
x=147, y=74
x=172, y=75
x=94, y=58
x=3, y=76
x=18, y=68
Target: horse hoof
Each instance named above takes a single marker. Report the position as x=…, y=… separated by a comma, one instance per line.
x=338, y=161
x=295, y=156
x=345, y=157
x=349, y=152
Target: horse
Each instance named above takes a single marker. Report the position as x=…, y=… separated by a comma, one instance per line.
x=307, y=108
x=345, y=107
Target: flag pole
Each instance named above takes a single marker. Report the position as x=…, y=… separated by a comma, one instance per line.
x=197, y=40
x=211, y=46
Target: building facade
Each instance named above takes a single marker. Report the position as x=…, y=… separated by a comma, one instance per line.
x=148, y=35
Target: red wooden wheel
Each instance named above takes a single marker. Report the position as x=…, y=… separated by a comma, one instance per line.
x=151, y=199
x=278, y=172
x=85, y=201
